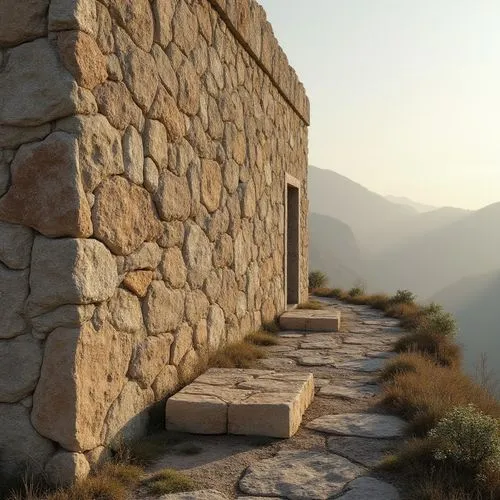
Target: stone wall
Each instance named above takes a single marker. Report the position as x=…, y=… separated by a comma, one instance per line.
x=143, y=153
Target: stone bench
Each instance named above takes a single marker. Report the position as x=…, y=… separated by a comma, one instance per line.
x=311, y=320
x=245, y=402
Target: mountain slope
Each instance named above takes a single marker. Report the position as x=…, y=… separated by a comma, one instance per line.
x=431, y=261
x=333, y=250
x=474, y=301
x=362, y=210
x=403, y=200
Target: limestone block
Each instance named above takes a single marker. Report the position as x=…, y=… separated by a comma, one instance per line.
x=100, y=148
x=22, y=22
x=166, y=383
x=248, y=199
x=268, y=414
x=136, y=19
x=183, y=341
x=82, y=57
x=165, y=110
x=216, y=327
x=98, y=457
x=183, y=414
x=15, y=245
x=156, y=143
x=70, y=271
x=189, y=88
x=173, y=234
x=73, y=15
x=173, y=268
x=149, y=359
x=184, y=28
x=14, y=289
x=148, y=256
x=133, y=156
x=115, y=102
x=173, y=198
x=136, y=64
x=125, y=312
x=124, y=216
x=68, y=316
x=21, y=445
x=215, y=123
x=223, y=252
x=83, y=373
x=13, y=137
x=200, y=337
x=128, y=417
x=163, y=308
x=20, y=362
x=48, y=175
x=151, y=176
x=64, y=468
x=165, y=71
x=211, y=184
x=34, y=86
x=105, y=40
x=197, y=255
x=138, y=282
x=212, y=286
x=196, y=306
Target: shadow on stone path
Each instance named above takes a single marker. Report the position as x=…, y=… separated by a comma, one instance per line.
x=344, y=433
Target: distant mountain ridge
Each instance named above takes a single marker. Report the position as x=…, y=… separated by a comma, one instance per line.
x=403, y=200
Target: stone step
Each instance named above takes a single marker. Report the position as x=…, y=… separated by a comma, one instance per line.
x=311, y=320
x=244, y=402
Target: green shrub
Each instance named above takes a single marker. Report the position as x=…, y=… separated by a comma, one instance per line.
x=435, y=320
x=317, y=279
x=467, y=437
x=356, y=291
x=403, y=297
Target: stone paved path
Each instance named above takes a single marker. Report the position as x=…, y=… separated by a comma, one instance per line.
x=344, y=433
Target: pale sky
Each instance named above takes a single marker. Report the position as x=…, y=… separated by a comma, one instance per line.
x=405, y=94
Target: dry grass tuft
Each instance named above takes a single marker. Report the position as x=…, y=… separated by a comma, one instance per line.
x=440, y=348
x=262, y=338
x=426, y=392
x=168, y=481
x=311, y=304
x=237, y=355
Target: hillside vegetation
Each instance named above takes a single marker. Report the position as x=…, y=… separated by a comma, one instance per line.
x=453, y=422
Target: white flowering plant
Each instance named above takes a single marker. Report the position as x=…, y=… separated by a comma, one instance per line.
x=468, y=437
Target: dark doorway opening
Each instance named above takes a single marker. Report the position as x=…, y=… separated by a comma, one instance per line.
x=292, y=244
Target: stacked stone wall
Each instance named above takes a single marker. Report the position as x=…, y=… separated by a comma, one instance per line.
x=143, y=152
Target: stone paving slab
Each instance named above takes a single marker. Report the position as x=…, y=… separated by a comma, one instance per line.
x=370, y=425
x=367, y=365
x=195, y=495
x=300, y=475
x=247, y=402
x=349, y=392
x=368, y=452
x=365, y=488
x=311, y=320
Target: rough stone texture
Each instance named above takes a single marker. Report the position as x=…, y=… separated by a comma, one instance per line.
x=143, y=153
x=48, y=175
x=369, y=425
x=369, y=487
x=64, y=467
x=196, y=495
x=299, y=475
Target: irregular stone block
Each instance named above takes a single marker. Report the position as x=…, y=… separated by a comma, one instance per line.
x=163, y=11
x=166, y=383
x=216, y=326
x=48, y=175
x=20, y=362
x=20, y=22
x=82, y=58
x=197, y=414
x=100, y=148
x=173, y=198
x=125, y=312
x=211, y=184
x=149, y=359
x=64, y=468
x=68, y=316
x=128, y=417
x=83, y=373
x=138, y=282
x=197, y=255
x=163, y=308
x=165, y=110
x=73, y=15
x=70, y=271
x=146, y=257
x=183, y=341
x=124, y=216
x=14, y=290
x=34, y=86
x=173, y=268
x=133, y=156
x=13, y=137
x=369, y=487
x=15, y=245
x=311, y=320
x=21, y=445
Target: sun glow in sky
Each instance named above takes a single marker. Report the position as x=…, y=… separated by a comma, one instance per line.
x=405, y=94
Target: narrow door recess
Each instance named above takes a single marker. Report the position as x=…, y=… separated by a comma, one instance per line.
x=292, y=246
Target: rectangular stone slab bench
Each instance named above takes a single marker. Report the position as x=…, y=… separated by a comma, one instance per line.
x=245, y=402
x=310, y=320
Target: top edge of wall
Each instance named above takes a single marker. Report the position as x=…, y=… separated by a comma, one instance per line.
x=248, y=22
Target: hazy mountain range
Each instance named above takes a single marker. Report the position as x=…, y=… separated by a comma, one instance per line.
x=445, y=254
